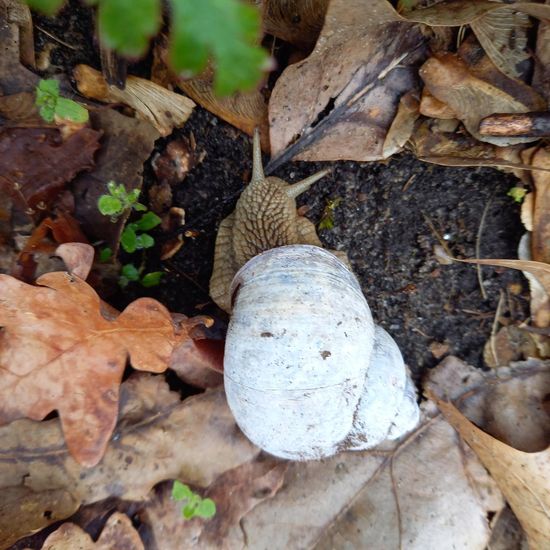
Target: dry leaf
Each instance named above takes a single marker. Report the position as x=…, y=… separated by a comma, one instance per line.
x=157, y=437
x=55, y=162
x=296, y=21
x=78, y=258
x=126, y=145
x=118, y=534
x=235, y=493
x=199, y=362
x=449, y=80
x=345, y=113
x=164, y=109
x=59, y=353
x=524, y=478
x=541, y=75
x=540, y=238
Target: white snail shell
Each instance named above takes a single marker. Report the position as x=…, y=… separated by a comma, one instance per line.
x=307, y=373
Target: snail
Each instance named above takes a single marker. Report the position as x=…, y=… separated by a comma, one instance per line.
x=307, y=373
x=265, y=217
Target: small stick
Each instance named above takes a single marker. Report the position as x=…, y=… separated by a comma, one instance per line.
x=520, y=124
x=478, y=246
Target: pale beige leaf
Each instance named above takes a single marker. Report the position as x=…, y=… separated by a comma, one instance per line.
x=524, y=478
x=78, y=258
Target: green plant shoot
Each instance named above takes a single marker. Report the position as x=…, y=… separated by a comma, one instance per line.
x=119, y=200
x=517, y=193
x=130, y=273
x=327, y=219
x=51, y=105
x=195, y=505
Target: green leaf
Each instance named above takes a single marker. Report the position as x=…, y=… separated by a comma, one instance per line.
x=70, y=110
x=49, y=7
x=138, y=207
x=123, y=281
x=189, y=511
x=47, y=94
x=151, y=279
x=127, y=25
x=144, y=241
x=181, y=491
x=517, y=193
x=48, y=87
x=128, y=240
x=47, y=113
x=109, y=205
x=206, y=508
x=225, y=30
x=130, y=271
x=148, y=221
x=105, y=254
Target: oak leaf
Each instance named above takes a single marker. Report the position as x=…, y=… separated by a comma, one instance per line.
x=58, y=352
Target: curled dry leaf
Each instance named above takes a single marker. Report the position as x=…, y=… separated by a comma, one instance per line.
x=235, y=493
x=345, y=113
x=157, y=437
x=164, y=109
x=448, y=78
x=541, y=74
x=173, y=164
x=522, y=477
x=244, y=110
x=296, y=21
x=59, y=353
x=118, y=533
x=78, y=258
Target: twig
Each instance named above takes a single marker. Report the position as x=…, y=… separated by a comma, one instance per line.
x=53, y=37
x=442, y=242
x=478, y=245
x=494, y=328
x=524, y=124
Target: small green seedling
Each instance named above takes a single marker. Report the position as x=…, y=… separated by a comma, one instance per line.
x=195, y=505
x=135, y=236
x=105, y=254
x=130, y=273
x=327, y=219
x=51, y=105
x=517, y=193
x=118, y=200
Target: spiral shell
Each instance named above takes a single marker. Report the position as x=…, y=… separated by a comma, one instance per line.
x=307, y=374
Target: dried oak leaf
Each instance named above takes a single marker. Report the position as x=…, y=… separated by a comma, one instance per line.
x=36, y=163
x=157, y=437
x=59, y=353
x=118, y=533
x=346, y=113
x=235, y=493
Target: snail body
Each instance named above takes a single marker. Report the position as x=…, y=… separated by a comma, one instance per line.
x=307, y=372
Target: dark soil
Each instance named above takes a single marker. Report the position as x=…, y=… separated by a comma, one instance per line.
x=383, y=222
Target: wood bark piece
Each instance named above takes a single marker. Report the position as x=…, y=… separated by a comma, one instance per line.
x=533, y=125
x=164, y=109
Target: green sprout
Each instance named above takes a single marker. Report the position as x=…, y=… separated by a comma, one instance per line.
x=517, y=193
x=222, y=32
x=51, y=105
x=130, y=274
x=118, y=200
x=327, y=219
x=195, y=505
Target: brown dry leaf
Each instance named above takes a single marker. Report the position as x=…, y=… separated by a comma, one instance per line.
x=55, y=162
x=118, y=534
x=509, y=344
x=449, y=80
x=199, y=362
x=235, y=493
x=157, y=437
x=244, y=110
x=541, y=74
x=345, y=113
x=164, y=109
x=59, y=353
x=421, y=492
x=523, y=478
x=540, y=237
x=296, y=21
x=126, y=145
